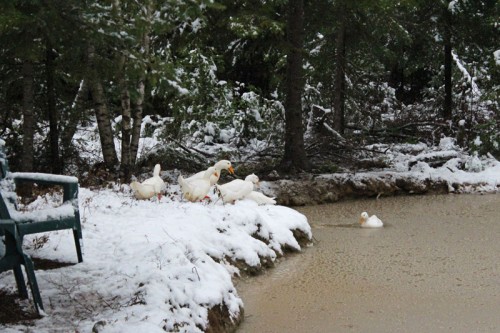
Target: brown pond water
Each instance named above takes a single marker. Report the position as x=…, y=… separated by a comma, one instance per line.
x=434, y=267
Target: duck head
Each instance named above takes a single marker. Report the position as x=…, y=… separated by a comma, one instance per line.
x=363, y=217
x=253, y=178
x=224, y=164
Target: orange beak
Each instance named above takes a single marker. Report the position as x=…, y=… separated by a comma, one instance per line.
x=231, y=170
x=216, y=174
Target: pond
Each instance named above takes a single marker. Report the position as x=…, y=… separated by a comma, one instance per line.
x=434, y=267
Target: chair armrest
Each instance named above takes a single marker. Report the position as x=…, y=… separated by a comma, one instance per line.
x=69, y=183
x=43, y=178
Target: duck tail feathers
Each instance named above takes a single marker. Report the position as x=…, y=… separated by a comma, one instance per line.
x=156, y=171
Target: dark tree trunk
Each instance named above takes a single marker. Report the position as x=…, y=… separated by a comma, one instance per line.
x=28, y=117
x=339, y=80
x=448, y=102
x=27, y=155
x=104, y=126
x=52, y=111
x=295, y=158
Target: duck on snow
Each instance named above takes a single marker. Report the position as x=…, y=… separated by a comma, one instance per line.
x=150, y=187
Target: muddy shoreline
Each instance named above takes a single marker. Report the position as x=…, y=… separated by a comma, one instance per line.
x=321, y=189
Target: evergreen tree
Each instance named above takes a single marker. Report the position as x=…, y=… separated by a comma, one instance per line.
x=295, y=158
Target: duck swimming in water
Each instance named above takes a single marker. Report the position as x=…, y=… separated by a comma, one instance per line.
x=367, y=221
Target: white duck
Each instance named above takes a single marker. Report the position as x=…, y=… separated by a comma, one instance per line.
x=142, y=192
x=219, y=166
x=197, y=189
x=150, y=187
x=370, y=222
x=237, y=189
x=258, y=197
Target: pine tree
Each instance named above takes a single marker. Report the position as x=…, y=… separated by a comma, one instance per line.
x=295, y=158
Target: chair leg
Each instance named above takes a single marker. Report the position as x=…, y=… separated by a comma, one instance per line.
x=21, y=285
x=30, y=272
x=14, y=255
x=79, y=244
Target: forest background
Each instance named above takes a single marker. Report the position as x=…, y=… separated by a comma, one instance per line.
x=288, y=85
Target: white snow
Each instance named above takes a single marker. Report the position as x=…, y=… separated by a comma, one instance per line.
x=453, y=6
x=36, y=176
x=154, y=265
x=181, y=90
x=496, y=55
x=447, y=143
x=464, y=173
x=479, y=175
x=477, y=141
x=472, y=80
x=65, y=210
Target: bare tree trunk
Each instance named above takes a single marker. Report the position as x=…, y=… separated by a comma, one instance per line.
x=139, y=101
x=126, y=115
x=70, y=120
x=339, y=80
x=295, y=157
x=104, y=126
x=52, y=111
x=125, y=158
x=448, y=102
x=102, y=116
x=137, y=122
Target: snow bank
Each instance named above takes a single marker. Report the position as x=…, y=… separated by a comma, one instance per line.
x=411, y=169
x=154, y=266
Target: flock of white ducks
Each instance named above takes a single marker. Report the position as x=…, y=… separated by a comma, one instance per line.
x=197, y=187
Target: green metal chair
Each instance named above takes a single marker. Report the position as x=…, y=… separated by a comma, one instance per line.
x=67, y=216
x=15, y=224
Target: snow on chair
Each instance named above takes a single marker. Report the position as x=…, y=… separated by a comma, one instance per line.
x=16, y=224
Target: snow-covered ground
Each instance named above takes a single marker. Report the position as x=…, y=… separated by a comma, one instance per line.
x=156, y=266
x=462, y=171
x=153, y=265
